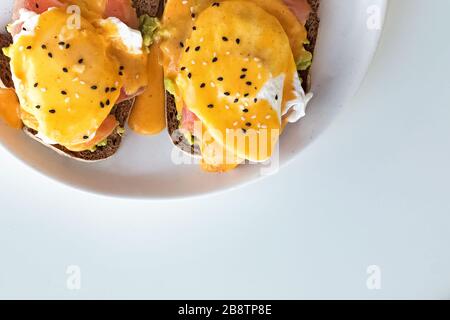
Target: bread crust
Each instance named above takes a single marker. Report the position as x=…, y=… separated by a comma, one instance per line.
x=151, y=7
x=5, y=69
x=179, y=140
x=177, y=137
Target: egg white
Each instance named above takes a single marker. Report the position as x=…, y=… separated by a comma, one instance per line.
x=27, y=22
x=294, y=109
x=130, y=38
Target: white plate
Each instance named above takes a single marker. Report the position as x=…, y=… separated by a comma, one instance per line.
x=143, y=167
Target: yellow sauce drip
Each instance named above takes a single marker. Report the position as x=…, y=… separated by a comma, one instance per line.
x=148, y=114
x=10, y=108
x=132, y=63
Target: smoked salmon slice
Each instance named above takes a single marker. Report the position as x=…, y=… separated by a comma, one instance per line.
x=121, y=9
x=300, y=8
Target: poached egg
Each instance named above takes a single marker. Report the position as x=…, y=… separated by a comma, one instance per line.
x=68, y=78
x=235, y=70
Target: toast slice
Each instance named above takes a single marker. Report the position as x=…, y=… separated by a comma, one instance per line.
x=5, y=70
x=173, y=124
x=151, y=7
x=121, y=111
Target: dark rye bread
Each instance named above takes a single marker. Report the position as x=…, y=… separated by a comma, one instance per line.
x=151, y=7
x=121, y=111
x=312, y=26
x=173, y=124
x=5, y=71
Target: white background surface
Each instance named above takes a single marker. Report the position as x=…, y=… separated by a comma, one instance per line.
x=373, y=190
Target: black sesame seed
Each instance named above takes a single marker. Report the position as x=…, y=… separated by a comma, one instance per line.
x=249, y=83
x=276, y=97
x=193, y=15
x=63, y=92
x=215, y=59
x=94, y=87
x=225, y=39
x=121, y=68
x=102, y=105
x=227, y=93
x=236, y=100
x=248, y=124
x=238, y=40
x=29, y=48
x=108, y=102
x=220, y=78
x=187, y=49
x=85, y=137
x=181, y=44
x=52, y=111
x=38, y=107
x=194, y=28
x=113, y=89
x=243, y=76
x=50, y=55
x=44, y=46
x=120, y=73
x=107, y=89
x=244, y=70
x=80, y=61
x=255, y=100
x=183, y=68
x=210, y=106
x=197, y=48
x=245, y=110
x=37, y=5
x=246, y=95
x=65, y=70
x=244, y=130
x=36, y=84
x=216, y=4
x=189, y=75
x=24, y=29
x=67, y=46
x=202, y=85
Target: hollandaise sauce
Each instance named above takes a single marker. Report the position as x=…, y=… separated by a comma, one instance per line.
x=148, y=114
x=231, y=76
x=10, y=108
x=68, y=79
